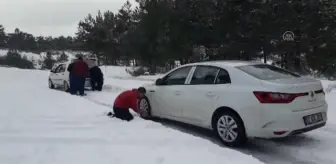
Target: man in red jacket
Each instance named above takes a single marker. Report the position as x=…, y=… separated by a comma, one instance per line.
x=124, y=101
x=79, y=72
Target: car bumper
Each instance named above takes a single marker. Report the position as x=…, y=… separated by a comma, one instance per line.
x=278, y=125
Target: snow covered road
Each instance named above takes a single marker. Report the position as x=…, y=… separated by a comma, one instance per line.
x=39, y=125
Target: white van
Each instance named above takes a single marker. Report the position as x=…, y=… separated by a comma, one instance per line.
x=59, y=76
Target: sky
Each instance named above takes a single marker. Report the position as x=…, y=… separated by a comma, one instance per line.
x=51, y=17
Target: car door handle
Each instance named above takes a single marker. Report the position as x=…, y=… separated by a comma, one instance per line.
x=177, y=92
x=151, y=91
x=210, y=94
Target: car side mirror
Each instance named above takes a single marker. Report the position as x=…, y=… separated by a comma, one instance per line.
x=52, y=71
x=159, y=81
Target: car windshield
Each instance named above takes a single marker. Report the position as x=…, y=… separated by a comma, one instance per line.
x=267, y=72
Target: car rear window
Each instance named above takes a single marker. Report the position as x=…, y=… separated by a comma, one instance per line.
x=267, y=72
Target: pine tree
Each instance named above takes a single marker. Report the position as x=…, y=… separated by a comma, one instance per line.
x=48, y=61
x=2, y=37
x=62, y=57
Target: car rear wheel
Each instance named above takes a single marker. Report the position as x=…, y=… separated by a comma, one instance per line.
x=144, y=107
x=65, y=86
x=50, y=84
x=229, y=128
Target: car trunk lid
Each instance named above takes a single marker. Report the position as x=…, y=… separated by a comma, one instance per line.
x=311, y=89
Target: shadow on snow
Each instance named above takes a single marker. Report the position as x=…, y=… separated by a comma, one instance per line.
x=269, y=151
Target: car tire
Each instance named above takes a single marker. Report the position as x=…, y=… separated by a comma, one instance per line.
x=144, y=105
x=229, y=128
x=50, y=84
x=66, y=87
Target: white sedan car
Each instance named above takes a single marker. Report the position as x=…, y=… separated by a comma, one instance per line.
x=238, y=100
x=59, y=77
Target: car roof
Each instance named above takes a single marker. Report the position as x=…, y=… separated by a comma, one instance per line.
x=64, y=63
x=226, y=63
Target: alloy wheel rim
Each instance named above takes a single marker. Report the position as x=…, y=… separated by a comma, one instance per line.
x=143, y=105
x=227, y=128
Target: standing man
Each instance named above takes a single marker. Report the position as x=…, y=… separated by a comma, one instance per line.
x=124, y=101
x=80, y=71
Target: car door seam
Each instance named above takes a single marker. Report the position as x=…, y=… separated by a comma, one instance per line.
x=190, y=74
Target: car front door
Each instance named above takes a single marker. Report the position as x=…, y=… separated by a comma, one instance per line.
x=53, y=74
x=169, y=93
x=60, y=74
x=203, y=93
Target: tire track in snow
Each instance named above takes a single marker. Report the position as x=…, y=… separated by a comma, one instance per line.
x=109, y=89
x=268, y=151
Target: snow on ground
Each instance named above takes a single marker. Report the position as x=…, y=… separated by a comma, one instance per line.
x=39, y=125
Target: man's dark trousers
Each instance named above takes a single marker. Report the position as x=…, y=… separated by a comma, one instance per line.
x=81, y=85
x=123, y=114
x=77, y=84
x=96, y=84
x=73, y=89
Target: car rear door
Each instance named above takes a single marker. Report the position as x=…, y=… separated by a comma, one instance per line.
x=204, y=90
x=169, y=95
x=64, y=74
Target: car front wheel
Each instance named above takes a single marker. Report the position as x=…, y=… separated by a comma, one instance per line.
x=50, y=84
x=65, y=86
x=229, y=128
x=145, y=108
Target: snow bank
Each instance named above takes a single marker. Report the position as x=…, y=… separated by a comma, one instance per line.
x=38, y=58
x=119, y=72
x=39, y=125
x=30, y=56
x=331, y=97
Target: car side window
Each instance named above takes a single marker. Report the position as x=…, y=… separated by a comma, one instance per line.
x=57, y=68
x=204, y=75
x=60, y=68
x=223, y=77
x=63, y=68
x=54, y=68
x=178, y=77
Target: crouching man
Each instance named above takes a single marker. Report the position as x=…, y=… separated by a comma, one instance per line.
x=124, y=101
x=97, y=78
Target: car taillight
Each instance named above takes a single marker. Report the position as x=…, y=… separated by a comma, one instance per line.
x=274, y=97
